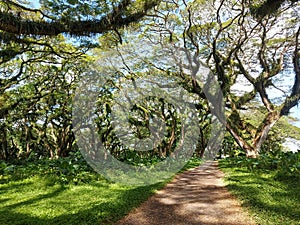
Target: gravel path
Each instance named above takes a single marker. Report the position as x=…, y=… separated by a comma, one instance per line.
x=196, y=197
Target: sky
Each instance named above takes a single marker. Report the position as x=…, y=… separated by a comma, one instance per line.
x=35, y=3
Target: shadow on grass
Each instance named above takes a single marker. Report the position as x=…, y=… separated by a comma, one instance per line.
x=10, y=187
x=107, y=212
x=95, y=202
x=278, y=199
x=36, y=199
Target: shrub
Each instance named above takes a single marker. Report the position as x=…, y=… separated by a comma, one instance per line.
x=72, y=169
x=286, y=164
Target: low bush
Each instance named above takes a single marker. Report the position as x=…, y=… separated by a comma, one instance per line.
x=72, y=169
x=285, y=164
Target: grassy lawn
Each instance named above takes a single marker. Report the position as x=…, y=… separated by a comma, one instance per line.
x=270, y=199
x=40, y=198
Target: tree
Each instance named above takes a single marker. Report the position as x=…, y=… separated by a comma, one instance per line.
x=39, y=70
x=237, y=47
x=239, y=41
x=242, y=46
x=36, y=95
x=135, y=117
x=276, y=54
x=129, y=63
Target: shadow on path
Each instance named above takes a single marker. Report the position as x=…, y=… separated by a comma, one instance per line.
x=196, y=197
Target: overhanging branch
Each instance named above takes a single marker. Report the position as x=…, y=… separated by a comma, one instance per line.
x=118, y=18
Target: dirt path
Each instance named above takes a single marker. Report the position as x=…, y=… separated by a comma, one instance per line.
x=196, y=197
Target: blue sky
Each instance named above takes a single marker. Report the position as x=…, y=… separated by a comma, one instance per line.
x=35, y=3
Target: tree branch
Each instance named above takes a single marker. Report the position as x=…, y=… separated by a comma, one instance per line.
x=294, y=98
x=114, y=20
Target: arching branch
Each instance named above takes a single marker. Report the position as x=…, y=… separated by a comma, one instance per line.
x=118, y=18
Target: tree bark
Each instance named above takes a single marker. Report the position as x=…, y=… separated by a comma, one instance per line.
x=4, y=145
x=118, y=18
x=250, y=151
x=262, y=132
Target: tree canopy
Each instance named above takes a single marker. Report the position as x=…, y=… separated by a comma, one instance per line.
x=238, y=47
x=46, y=50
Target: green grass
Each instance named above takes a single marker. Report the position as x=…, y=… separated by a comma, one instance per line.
x=36, y=201
x=44, y=198
x=271, y=200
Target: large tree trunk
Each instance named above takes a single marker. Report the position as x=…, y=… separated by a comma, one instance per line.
x=252, y=149
x=263, y=130
x=201, y=145
x=4, y=145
